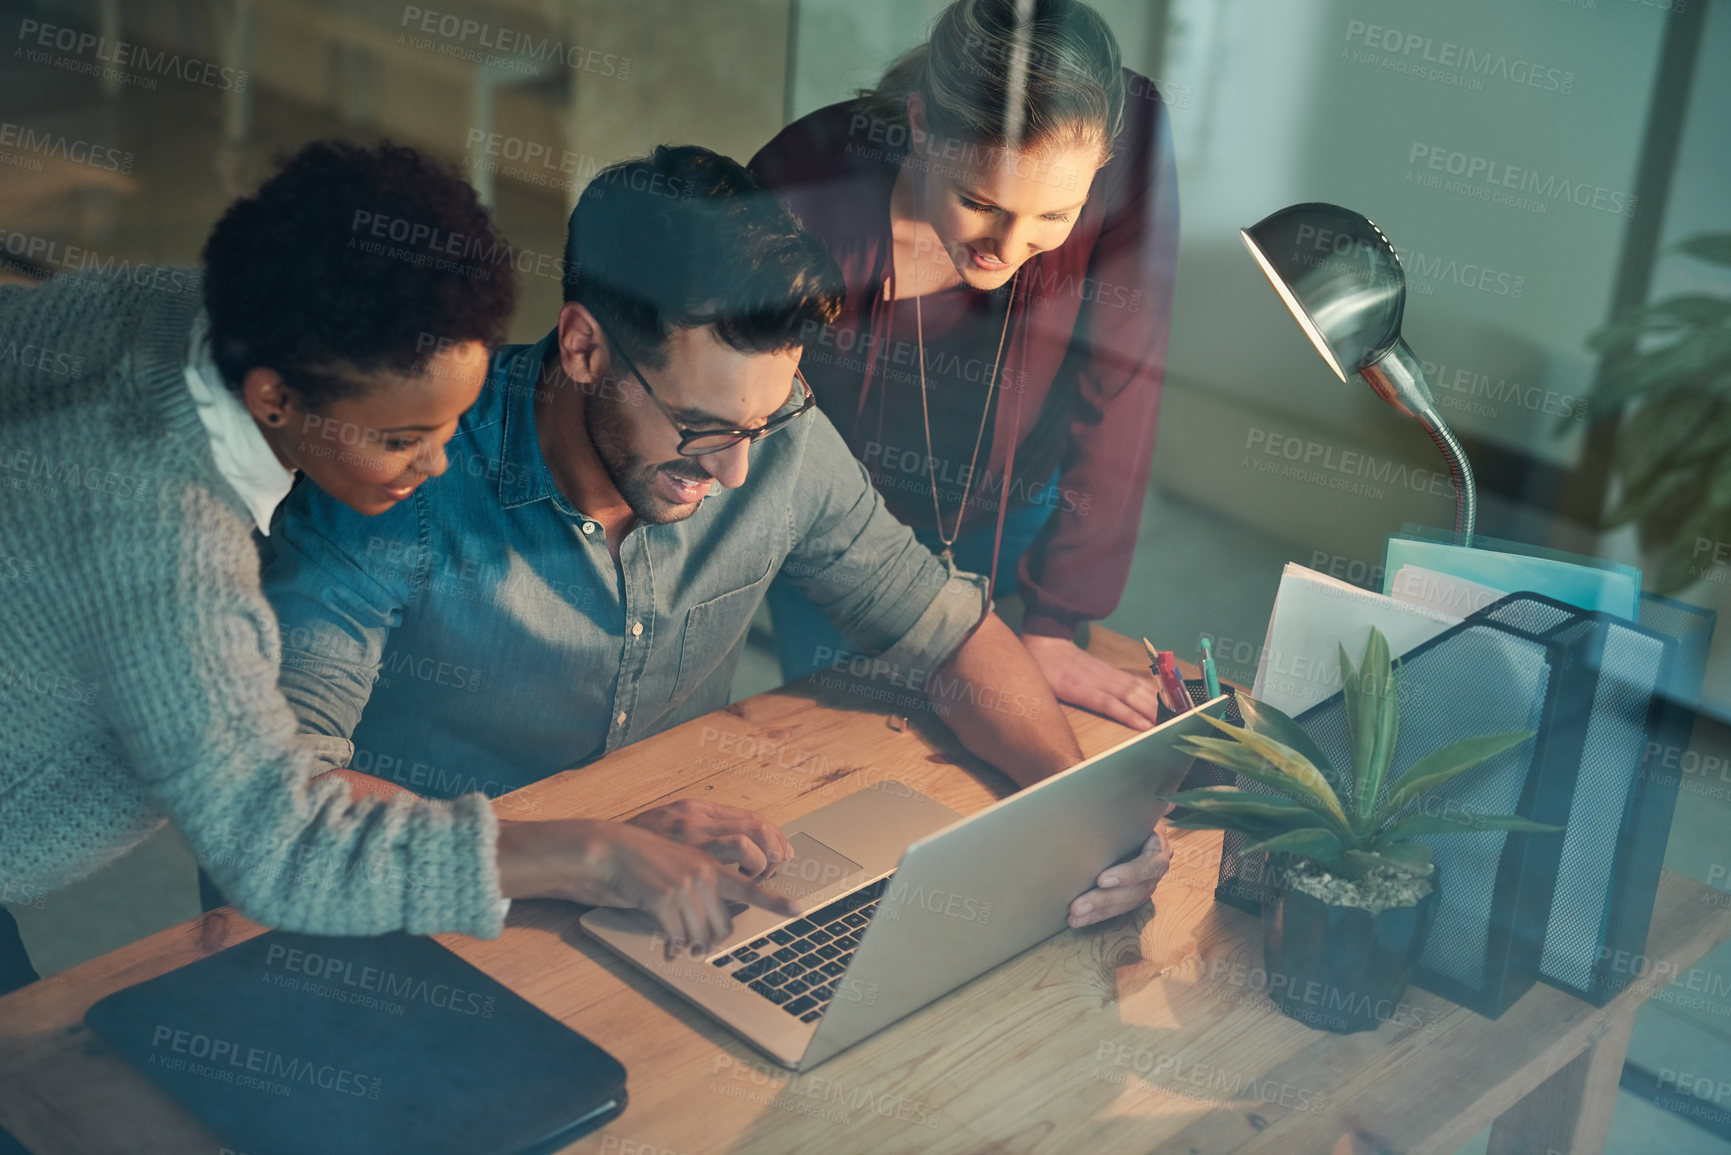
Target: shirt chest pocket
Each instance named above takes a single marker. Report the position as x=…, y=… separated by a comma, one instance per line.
x=712, y=629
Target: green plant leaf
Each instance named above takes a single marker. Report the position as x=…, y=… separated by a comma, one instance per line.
x=1226, y=801
x=1418, y=825
x=1662, y=522
x=1359, y=739
x=1293, y=765
x=1667, y=492
x=1316, y=845
x=1439, y=766
x=1377, y=678
x=1712, y=247
x=1661, y=429
x=1283, y=728
x=1243, y=761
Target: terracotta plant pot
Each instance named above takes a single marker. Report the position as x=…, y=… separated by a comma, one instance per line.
x=1341, y=968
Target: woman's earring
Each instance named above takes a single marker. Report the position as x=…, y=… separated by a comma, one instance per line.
x=273, y=419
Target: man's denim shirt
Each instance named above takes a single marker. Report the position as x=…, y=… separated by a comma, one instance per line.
x=479, y=635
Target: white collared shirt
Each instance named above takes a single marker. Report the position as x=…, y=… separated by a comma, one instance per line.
x=243, y=456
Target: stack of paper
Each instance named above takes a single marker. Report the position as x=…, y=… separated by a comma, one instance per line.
x=1444, y=593
x=1314, y=615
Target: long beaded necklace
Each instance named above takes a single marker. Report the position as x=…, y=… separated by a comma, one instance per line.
x=949, y=539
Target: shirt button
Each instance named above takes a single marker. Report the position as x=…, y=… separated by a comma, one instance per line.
x=621, y=719
x=588, y=527
x=637, y=629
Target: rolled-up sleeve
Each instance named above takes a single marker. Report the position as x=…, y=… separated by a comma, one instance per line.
x=865, y=569
x=338, y=582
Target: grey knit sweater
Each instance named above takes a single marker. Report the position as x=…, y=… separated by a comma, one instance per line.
x=138, y=658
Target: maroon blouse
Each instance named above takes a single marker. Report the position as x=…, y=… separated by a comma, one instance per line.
x=1079, y=383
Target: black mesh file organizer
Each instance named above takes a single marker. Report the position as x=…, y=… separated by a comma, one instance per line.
x=1494, y=888
x=1691, y=627
x=1619, y=819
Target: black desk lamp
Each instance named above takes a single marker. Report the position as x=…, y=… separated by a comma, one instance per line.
x=1342, y=281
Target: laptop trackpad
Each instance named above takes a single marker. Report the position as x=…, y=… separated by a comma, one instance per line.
x=813, y=867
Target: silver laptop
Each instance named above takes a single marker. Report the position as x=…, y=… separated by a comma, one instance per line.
x=880, y=938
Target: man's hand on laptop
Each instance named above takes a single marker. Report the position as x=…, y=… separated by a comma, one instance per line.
x=1126, y=886
x=733, y=834
x=685, y=890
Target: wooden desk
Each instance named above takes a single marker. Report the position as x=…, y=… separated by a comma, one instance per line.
x=1145, y=1034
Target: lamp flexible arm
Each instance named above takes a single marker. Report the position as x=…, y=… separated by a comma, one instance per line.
x=1399, y=380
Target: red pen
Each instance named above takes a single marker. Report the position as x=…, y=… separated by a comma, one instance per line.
x=1164, y=666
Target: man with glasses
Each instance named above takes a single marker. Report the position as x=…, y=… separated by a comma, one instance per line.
x=585, y=571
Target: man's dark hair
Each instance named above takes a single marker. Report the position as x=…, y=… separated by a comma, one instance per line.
x=351, y=258
x=686, y=237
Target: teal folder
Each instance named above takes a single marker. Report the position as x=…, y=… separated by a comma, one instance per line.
x=1513, y=567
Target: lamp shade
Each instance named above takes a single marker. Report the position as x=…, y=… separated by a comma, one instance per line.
x=1338, y=275
x=1343, y=284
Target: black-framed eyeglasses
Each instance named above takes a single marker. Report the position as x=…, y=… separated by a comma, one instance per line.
x=701, y=442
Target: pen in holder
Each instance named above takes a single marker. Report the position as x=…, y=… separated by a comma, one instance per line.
x=1202, y=772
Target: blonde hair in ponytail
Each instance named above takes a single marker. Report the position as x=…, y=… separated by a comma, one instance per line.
x=1021, y=74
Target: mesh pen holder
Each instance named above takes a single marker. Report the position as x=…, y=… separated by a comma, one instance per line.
x=1203, y=772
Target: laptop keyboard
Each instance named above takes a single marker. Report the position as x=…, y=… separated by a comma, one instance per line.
x=797, y=966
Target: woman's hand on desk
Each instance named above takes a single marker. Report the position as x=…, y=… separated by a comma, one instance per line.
x=582, y=860
x=1126, y=886
x=733, y=834
x=1081, y=679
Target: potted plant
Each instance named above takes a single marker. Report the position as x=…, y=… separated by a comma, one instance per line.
x=1669, y=364
x=1353, y=889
